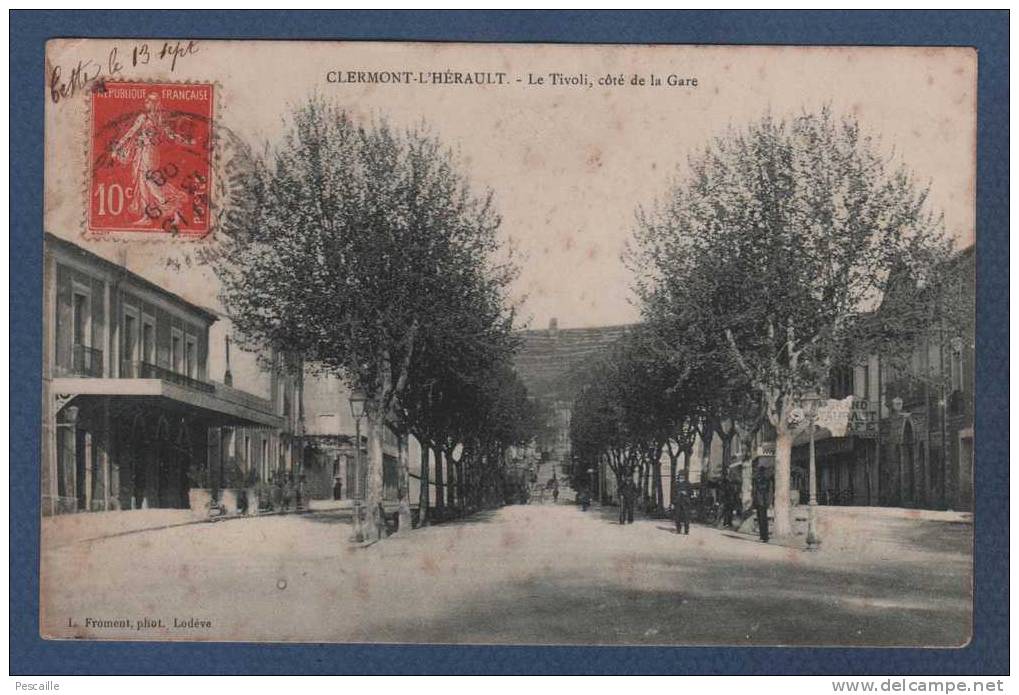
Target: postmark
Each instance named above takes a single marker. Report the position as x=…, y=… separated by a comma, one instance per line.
x=150, y=165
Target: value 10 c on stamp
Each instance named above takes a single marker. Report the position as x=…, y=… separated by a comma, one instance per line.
x=150, y=163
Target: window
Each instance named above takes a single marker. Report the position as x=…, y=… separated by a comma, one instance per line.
x=228, y=443
x=865, y=392
x=176, y=353
x=956, y=367
x=190, y=355
x=247, y=449
x=840, y=382
x=148, y=340
x=80, y=308
x=265, y=459
x=129, y=343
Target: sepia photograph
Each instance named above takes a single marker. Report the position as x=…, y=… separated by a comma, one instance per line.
x=508, y=344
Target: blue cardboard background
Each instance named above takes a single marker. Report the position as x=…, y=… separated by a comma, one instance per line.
x=988, y=31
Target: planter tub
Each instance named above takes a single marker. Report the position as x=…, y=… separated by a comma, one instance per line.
x=199, y=501
x=229, y=498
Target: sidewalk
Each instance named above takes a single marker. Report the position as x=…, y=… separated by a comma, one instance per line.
x=65, y=529
x=851, y=529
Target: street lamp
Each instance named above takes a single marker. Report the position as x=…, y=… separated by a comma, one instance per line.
x=357, y=401
x=812, y=402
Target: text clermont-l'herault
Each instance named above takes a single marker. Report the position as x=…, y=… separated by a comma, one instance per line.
x=431, y=77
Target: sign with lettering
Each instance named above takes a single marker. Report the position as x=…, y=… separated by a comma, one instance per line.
x=834, y=416
x=863, y=419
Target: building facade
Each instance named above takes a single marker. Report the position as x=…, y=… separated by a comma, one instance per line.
x=927, y=436
x=907, y=439
x=553, y=364
x=128, y=403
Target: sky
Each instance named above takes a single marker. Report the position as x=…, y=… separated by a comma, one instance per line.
x=568, y=164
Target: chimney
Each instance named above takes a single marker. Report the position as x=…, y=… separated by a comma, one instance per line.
x=553, y=327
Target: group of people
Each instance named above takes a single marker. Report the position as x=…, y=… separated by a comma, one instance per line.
x=683, y=504
x=729, y=503
x=287, y=493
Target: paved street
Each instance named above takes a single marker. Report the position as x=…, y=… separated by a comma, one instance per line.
x=532, y=574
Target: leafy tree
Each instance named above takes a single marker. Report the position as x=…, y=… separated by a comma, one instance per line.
x=775, y=248
x=630, y=410
x=364, y=251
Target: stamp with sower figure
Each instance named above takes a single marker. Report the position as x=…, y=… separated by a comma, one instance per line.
x=150, y=165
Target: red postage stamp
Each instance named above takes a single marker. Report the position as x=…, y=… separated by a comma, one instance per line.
x=151, y=159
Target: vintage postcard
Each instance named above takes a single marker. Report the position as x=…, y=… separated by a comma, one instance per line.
x=508, y=343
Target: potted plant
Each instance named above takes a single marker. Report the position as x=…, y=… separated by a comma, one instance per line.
x=234, y=482
x=251, y=493
x=199, y=494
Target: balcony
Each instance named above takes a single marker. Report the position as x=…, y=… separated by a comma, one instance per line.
x=87, y=361
x=144, y=370
x=913, y=392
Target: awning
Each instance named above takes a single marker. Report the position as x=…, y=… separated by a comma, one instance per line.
x=820, y=433
x=221, y=405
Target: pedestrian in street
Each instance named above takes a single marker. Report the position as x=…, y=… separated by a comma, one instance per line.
x=380, y=521
x=728, y=502
x=762, y=498
x=276, y=492
x=301, y=491
x=681, y=508
x=630, y=495
x=555, y=491
x=288, y=491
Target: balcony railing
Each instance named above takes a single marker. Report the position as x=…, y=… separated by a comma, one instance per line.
x=913, y=392
x=145, y=370
x=87, y=361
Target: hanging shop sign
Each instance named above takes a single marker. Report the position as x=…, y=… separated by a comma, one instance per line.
x=863, y=419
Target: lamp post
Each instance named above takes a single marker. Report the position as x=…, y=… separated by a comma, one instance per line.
x=357, y=401
x=812, y=402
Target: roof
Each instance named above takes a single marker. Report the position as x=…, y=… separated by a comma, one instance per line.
x=550, y=361
x=137, y=279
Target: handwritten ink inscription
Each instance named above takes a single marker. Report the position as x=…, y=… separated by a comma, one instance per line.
x=150, y=167
x=64, y=81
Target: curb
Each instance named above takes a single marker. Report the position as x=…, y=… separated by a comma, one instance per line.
x=193, y=522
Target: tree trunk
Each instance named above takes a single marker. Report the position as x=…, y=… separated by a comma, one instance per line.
x=645, y=484
x=451, y=481
x=423, y=495
x=673, y=467
x=461, y=484
x=746, y=447
x=709, y=436
x=659, y=492
x=375, y=526
x=726, y=453
x=783, y=465
x=405, y=522
x=622, y=498
x=440, y=488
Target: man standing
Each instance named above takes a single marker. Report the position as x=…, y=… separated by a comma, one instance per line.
x=728, y=501
x=762, y=497
x=681, y=508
